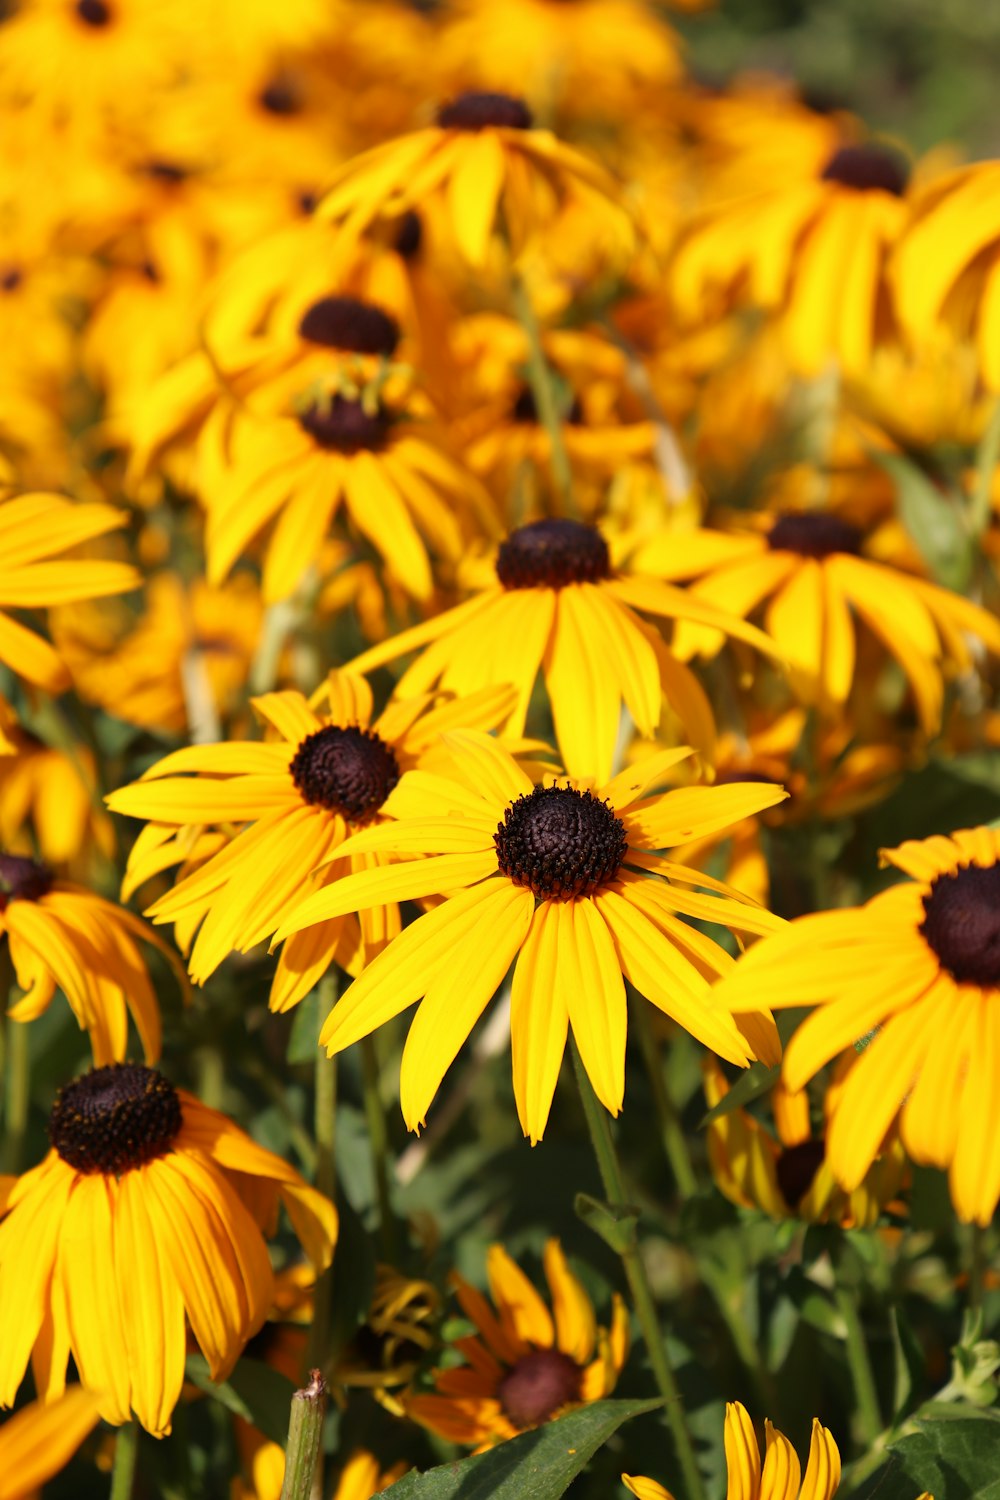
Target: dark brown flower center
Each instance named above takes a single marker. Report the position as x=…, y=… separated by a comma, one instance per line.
x=113, y=1119
x=93, y=12
x=282, y=96
x=474, y=111
x=796, y=1169
x=962, y=923
x=552, y=554
x=868, y=168
x=346, y=770
x=11, y=279
x=409, y=234
x=560, y=843
x=526, y=409
x=344, y=426
x=539, y=1384
x=22, y=880
x=346, y=323
x=813, y=533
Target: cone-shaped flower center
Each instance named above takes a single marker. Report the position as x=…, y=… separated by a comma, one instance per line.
x=409, y=234
x=813, y=533
x=113, y=1119
x=475, y=111
x=281, y=96
x=539, y=1384
x=868, y=168
x=962, y=923
x=526, y=410
x=346, y=323
x=93, y=12
x=344, y=426
x=560, y=843
x=551, y=554
x=22, y=879
x=796, y=1169
x=346, y=770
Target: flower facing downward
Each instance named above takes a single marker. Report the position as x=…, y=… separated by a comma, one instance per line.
x=524, y=1365
x=566, y=880
x=147, y=1216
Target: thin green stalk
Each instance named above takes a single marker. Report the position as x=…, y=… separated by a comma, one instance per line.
x=324, y=1129
x=303, y=1454
x=378, y=1137
x=609, y=1167
x=987, y=459
x=543, y=390
x=18, y=1091
x=126, y=1453
x=860, y=1365
x=746, y=1346
x=977, y=1267
x=674, y=1142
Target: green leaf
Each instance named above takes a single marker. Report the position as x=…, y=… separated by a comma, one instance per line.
x=954, y=1455
x=616, y=1226
x=254, y=1391
x=538, y=1465
x=933, y=520
x=909, y=1366
x=758, y=1079
x=353, y=1276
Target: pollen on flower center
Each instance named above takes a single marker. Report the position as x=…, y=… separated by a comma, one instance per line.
x=962, y=923
x=539, y=1384
x=94, y=12
x=796, y=1169
x=113, y=1119
x=347, y=323
x=346, y=770
x=344, y=426
x=560, y=843
x=551, y=554
x=813, y=533
x=868, y=168
x=479, y=111
x=22, y=879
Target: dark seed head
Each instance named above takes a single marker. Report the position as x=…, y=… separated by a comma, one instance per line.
x=475, y=111
x=166, y=171
x=113, y=1119
x=552, y=554
x=22, y=880
x=350, y=771
x=868, y=168
x=409, y=235
x=560, y=843
x=344, y=426
x=796, y=1169
x=537, y=1387
x=346, y=323
x=282, y=96
x=813, y=533
x=526, y=409
x=962, y=923
x=11, y=279
x=93, y=12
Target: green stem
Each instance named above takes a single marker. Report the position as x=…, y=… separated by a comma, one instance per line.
x=305, y=1439
x=325, y=1129
x=860, y=1365
x=674, y=1142
x=977, y=1267
x=378, y=1136
x=543, y=390
x=126, y=1453
x=18, y=1091
x=609, y=1167
x=730, y=1307
x=987, y=459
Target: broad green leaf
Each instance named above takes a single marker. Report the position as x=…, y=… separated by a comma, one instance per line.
x=538, y=1465
x=254, y=1391
x=933, y=521
x=953, y=1454
x=758, y=1079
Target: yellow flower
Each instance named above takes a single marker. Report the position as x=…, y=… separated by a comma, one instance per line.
x=781, y=1475
x=558, y=878
x=524, y=1365
x=61, y=935
x=363, y=1477
x=300, y=796
x=486, y=160
x=551, y=600
x=810, y=569
x=40, y=1439
x=47, y=802
x=147, y=1213
x=918, y=967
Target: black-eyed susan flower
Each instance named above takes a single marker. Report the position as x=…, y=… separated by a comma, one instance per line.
x=146, y=1218
x=62, y=936
x=809, y=571
x=780, y=1478
x=556, y=877
x=39, y=1440
x=301, y=794
x=525, y=1364
x=786, y=1174
x=486, y=160
x=918, y=966
x=543, y=602
x=49, y=803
